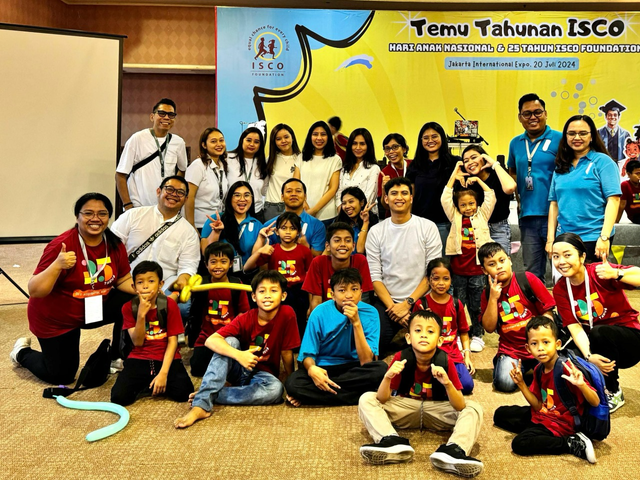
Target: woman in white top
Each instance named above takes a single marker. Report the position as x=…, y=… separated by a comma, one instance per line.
x=360, y=168
x=207, y=177
x=247, y=163
x=320, y=172
x=283, y=164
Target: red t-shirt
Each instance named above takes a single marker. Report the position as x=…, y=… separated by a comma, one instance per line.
x=281, y=333
x=319, y=275
x=553, y=414
x=156, y=338
x=631, y=195
x=423, y=381
x=293, y=264
x=610, y=304
x=391, y=171
x=515, y=310
x=63, y=309
x=220, y=312
x=465, y=263
x=452, y=325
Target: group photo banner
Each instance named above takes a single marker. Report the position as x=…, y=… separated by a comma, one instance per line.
x=393, y=71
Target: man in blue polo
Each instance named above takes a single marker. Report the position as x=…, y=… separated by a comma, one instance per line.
x=531, y=163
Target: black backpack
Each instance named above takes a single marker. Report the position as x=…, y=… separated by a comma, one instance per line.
x=407, y=376
x=94, y=373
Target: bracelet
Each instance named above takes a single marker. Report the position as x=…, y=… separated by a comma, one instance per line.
x=127, y=204
x=493, y=167
x=588, y=356
x=466, y=350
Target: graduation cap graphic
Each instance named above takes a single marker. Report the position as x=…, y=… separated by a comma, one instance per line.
x=612, y=105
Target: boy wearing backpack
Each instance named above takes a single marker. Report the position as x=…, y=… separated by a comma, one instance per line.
x=548, y=427
x=223, y=304
x=154, y=323
x=507, y=304
x=421, y=389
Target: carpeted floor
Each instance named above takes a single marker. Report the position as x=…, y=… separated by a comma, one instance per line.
x=43, y=440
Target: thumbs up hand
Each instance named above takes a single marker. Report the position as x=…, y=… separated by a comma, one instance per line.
x=605, y=271
x=65, y=260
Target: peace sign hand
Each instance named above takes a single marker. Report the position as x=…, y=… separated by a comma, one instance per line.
x=605, y=271
x=216, y=225
x=364, y=213
x=495, y=289
x=267, y=231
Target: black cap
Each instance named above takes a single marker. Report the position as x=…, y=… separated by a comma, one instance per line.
x=612, y=105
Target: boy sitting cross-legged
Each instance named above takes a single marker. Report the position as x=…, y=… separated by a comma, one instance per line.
x=422, y=389
x=547, y=427
x=247, y=353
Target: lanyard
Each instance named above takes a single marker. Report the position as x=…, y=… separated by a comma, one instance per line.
x=247, y=176
x=218, y=178
x=404, y=169
x=86, y=259
x=160, y=154
x=530, y=155
x=588, y=299
x=242, y=231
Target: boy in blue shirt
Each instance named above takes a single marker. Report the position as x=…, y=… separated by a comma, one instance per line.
x=339, y=348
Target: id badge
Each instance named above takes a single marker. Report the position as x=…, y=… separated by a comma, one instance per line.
x=528, y=181
x=237, y=264
x=93, y=309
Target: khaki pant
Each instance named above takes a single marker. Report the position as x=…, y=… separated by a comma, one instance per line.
x=380, y=418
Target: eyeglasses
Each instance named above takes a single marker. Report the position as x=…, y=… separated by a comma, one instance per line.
x=88, y=214
x=162, y=114
x=173, y=191
x=392, y=148
x=238, y=196
x=527, y=114
x=426, y=138
x=578, y=134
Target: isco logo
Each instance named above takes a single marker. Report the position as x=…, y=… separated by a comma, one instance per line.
x=267, y=44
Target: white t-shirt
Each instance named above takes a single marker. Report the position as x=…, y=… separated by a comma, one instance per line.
x=398, y=254
x=212, y=187
x=177, y=250
x=143, y=183
x=282, y=171
x=316, y=174
x=364, y=178
x=252, y=175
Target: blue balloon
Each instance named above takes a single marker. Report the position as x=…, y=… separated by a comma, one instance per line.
x=103, y=432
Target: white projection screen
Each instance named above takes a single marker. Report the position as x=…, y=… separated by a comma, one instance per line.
x=59, y=126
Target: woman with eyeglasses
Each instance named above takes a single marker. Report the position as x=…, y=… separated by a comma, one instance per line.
x=320, y=172
x=429, y=172
x=585, y=189
x=236, y=225
x=283, y=164
x=73, y=287
x=395, y=151
x=207, y=177
x=247, y=163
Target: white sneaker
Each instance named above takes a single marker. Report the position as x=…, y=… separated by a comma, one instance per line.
x=116, y=365
x=477, y=344
x=20, y=344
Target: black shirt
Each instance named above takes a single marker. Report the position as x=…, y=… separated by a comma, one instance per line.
x=429, y=181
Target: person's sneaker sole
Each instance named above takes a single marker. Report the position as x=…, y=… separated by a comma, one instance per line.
x=383, y=456
x=589, y=451
x=462, y=468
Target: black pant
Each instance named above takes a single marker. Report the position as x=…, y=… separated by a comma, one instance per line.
x=388, y=330
x=532, y=438
x=618, y=343
x=591, y=250
x=299, y=301
x=137, y=375
x=60, y=357
x=353, y=379
x=200, y=360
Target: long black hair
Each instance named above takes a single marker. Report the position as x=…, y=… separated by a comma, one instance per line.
x=421, y=158
x=231, y=232
x=259, y=156
x=359, y=195
x=273, y=148
x=204, y=155
x=369, y=158
x=566, y=154
x=112, y=239
x=308, y=149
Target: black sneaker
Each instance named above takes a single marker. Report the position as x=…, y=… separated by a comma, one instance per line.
x=452, y=459
x=581, y=447
x=391, y=449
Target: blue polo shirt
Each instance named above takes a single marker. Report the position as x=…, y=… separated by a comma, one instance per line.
x=328, y=338
x=312, y=228
x=248, y=231
x=534, y=202
x=582, y=195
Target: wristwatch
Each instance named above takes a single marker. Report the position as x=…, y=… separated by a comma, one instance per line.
x=410, y=301
x=604, y=238
x=620, y=274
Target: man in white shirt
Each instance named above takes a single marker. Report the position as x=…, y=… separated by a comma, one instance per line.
x=398, y=251
x=176, y=248
x=150, y=156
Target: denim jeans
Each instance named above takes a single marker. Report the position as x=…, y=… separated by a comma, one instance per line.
x=272, y=210
x=501, y=233
x=443, y=230
x=503, y=364
x=533, y=237
x=465, y=378
x=469, y=291
x=248, y=387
